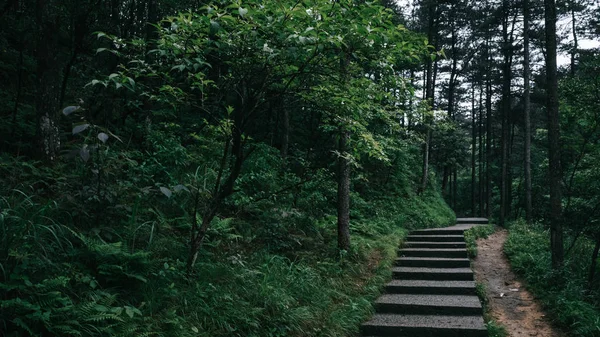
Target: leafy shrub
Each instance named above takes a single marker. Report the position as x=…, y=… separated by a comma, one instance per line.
x=562, y=292
x=475, y=233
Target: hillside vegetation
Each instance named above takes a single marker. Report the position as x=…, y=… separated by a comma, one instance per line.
x=239, y=169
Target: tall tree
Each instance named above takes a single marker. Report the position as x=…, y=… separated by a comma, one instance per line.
x=488, y=122
x=430, y=70
x=555, y=174
x=507, y=51
x=343, y=192
x=527, y=112
x=473, y=151
x=48, y=78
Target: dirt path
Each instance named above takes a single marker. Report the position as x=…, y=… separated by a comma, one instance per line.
x=509, y=303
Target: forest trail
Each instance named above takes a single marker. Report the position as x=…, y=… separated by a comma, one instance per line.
x=510, y=304
x=432, y=292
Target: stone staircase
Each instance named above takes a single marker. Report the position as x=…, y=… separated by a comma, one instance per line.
x=432, y=292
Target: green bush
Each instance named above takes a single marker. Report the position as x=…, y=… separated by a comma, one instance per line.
x=475, y=233
x=274, y=270
x=563, y=293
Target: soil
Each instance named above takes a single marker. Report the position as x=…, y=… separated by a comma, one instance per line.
x=510, y=304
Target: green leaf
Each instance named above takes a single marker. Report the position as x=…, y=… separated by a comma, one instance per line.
x=242, y=11
x=166, y=191
x=179, y=188
x=103, y=137
x=94, y=82
x=84, y=153
x=129, y=311
x=80, y=128
x=70, y=109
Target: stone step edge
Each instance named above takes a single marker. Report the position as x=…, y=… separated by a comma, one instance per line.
x=424, y=326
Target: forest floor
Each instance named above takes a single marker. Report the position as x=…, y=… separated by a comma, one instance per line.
x=510, y=304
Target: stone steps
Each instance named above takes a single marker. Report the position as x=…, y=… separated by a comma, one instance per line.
x=432, y=292
x=434, y=252
x=430, y=287
x=421, y=304
x=475, y=221
x=440, y=274
x=429, y=244
x=433, y=262
x=438, y=231
x=399, y=325
x=435, y=238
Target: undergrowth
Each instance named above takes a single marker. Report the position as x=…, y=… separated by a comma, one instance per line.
x=563, y=293
x=268, y=270
x=475, y=233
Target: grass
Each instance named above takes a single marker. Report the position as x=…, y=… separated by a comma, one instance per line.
x=475, y=233
x=563, y=293
x=80, y=260
x=241, y=286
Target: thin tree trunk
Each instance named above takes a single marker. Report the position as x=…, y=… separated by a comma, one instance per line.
x=66, y=76
x=48, y=77
x=452, y=83
x=410, y=101
x=429, y=95
x=509, y=173
x=505, y=178
x=445, y=178
x=555, y=174
x=505, y=112
x=19, y=90
x=527, y=111
x=575, y=40
x=481, y=163
x=488, y=132
x=230, y=165
x=592, y=272
x=285, y=131
x=473, y=152
x=454, y=186
x=343, y=193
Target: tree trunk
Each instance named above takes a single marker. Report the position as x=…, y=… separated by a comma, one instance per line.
x=48, y=79
x=445, y=178
x=410, y=102
x=481, y=163
x=230, y=165
x=509, y=172
x=453, y=74
x=505, y=112
x=285, y=131
x=555, y=174
x=505, y=178
x=19, y=89
x=429, y=94
x=454, y=186
x=592, y=271
x=343, y=193
x=527, y=112
x=575, y=40
x=488, y=131
x=473, y=153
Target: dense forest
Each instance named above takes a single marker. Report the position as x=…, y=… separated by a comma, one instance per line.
x=248, y=168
